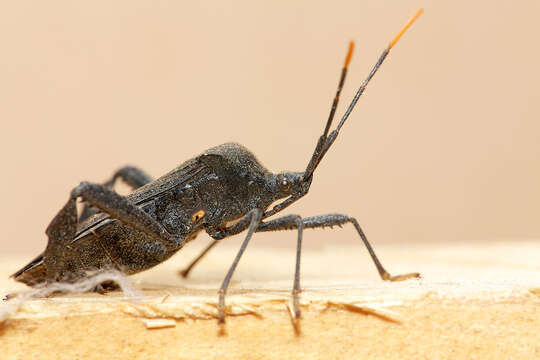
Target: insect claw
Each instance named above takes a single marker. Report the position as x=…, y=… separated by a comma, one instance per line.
x=221, y=307
x=388, y=277
x=295, y=315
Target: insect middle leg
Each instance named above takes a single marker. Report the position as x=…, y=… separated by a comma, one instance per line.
x=254, y=217
x=291, y=222
x=185, y=272
x=132, y=176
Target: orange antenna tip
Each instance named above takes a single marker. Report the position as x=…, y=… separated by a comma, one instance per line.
x=402, y=31
x=349, y=54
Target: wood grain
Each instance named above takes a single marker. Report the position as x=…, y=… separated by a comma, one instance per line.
x=477, y=300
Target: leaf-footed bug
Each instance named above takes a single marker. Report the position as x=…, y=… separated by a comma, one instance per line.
x=225, y=184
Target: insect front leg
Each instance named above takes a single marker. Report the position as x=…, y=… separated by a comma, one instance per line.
x=237, y=228
x=329, y=220
x=254, y=217
x=290, y=222
x=132, y=176
x=63, y=227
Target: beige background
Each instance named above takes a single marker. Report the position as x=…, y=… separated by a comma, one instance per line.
x=444, y=145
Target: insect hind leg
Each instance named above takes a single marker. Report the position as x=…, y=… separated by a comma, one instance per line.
x=62, y=229
x=132, y=176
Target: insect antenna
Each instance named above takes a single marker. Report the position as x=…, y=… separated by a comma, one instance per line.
x=326, y=141
x=322, y=140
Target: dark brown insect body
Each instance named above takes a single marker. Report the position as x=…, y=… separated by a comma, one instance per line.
x=223, y=191
x=223, y=184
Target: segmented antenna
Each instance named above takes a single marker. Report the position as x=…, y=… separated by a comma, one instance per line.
x=340, y=86
x=322, y=140
x=325, y=141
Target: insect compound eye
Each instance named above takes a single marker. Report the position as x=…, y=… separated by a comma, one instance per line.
x=196, y=217
x=284, y=184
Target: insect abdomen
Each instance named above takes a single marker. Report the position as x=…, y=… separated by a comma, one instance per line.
x=33, y=273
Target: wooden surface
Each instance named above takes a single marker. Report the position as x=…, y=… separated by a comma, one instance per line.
x=475, y=300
